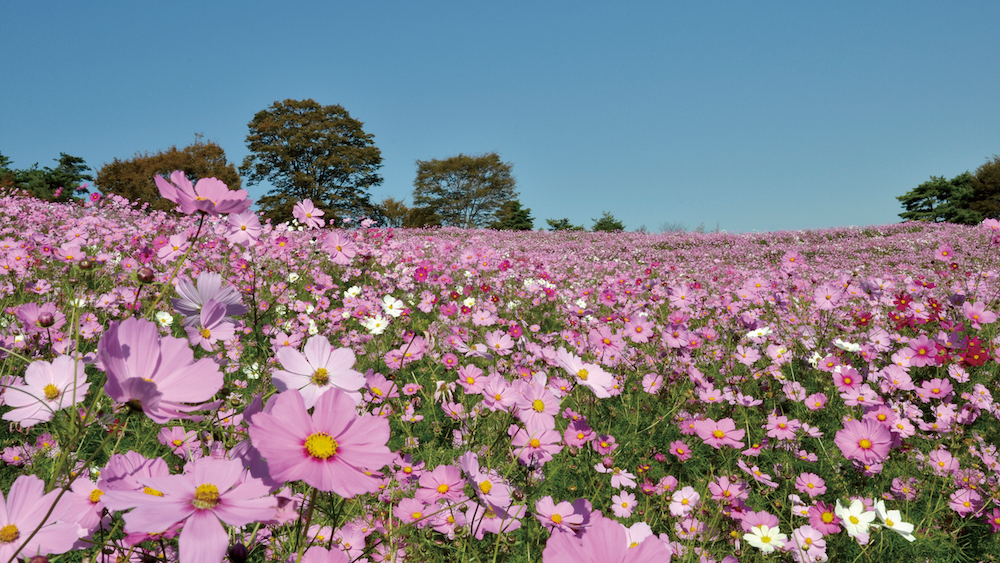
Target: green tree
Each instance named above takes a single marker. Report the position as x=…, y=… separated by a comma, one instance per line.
x=134, y=178
x=465, y=191
x=986, y=189
x=941, y=200
x=513, y=217
x=607, y=223
x=309, y=151
x=52, y=184
x=562, y=225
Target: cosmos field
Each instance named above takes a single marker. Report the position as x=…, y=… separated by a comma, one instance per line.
x=201, y=387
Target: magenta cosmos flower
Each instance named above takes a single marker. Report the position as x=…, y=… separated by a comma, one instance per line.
x=25, y=509
x=210, y=287
x=308, y=214
x=332, y=450
x=212, y=491
x=604, y=541
x=866, y=441
x=209, y=195
x=318, y=370
x=47, y=388
x=157, y=375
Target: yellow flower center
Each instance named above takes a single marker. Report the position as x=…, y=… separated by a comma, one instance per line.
x=443, y=488
x=417, y=515
x=538, y=405
x=377, y=391
x=470, y=380
x=719, y=434
x=95, y=495
x=556, y=518
x=206, y=496
x=854, y=519
x=486, y=487
x=321, y=377
x=51, y=392
x=865, y=444
x=535, y=443
x=582, y=374
x=827, y=517
x=9, y=533
x=321, y=446
x=765, y=539
x=153, y=492
x=889, y=522
x=205, y=333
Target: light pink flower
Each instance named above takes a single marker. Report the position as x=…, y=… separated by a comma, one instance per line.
x=47, y=388
x=308, y=214
x=25, y=509
x=866, y=441
x=318, y=370
x=334, y=449
x=340, y=246
x=209, y=195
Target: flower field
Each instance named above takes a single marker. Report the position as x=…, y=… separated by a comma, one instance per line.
x=201, y=387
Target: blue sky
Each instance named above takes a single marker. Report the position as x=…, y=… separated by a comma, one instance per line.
x=749, y=116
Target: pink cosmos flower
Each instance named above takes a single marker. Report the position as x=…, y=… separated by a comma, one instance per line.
x=38, y=318
x=210, y=287
x=684, y=501
x=824, y=519
x=340, y=246
x=47, y=388
x=965, y=501
x=209, y=195
x=211, y=327
x=317, y=554
x=866, y=441
x=308, y=214
x=318, y=370
x=25, y=509
x=721, y=433
x=210, y=492
x=444, y=483
x=535, y=447
x=563, y=516
x=977, y=313
x=623, y=504
x=604, y=541
x=810, y=484
x=157, y=375
x=244, y=228
x=334, y=449
x=590, y=375
x=681, y=450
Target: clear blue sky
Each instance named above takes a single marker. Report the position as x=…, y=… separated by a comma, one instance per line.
x=753, y=116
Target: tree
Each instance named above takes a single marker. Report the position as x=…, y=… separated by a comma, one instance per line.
x=394, y=212
x=309, y=151
x=513, y=217
x=62, y=183
x=607, y=223
x=562, y=225
x=465, y=191
x=986, y=189
x=133, y=178
x=939, y=200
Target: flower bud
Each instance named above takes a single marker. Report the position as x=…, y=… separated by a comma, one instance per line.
x=238, y=553
x=145, y=274
x=86, y=264
x=45, y=320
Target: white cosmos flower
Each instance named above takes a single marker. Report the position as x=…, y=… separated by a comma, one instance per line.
x=759, y=333
x=376, y=324
x=766, y=539
x=293, y=277
x=893, y=520
x=392, y=306
x=856, y=520
x=164, y=319
x=469, y=301
x=844, y=345
x=353, y=291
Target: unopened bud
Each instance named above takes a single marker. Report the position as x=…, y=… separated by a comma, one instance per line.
x=86, y=264
x=238, y=553
x=45, y=320
x=145, y=274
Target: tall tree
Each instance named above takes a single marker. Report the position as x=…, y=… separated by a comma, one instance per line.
x=607, y=223
x=52, y=184
x=941, y=200
x=309, y=151
x=133, y=178
x=562, y=225
x=986, y=189
x=513, y=217
x=465, y=191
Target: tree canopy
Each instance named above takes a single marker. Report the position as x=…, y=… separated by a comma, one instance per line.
x=133, y=178
x=966, y=198
x=62, y=183
x=562, y=225
x=513, y=217
x=309, y=151
x=607, y=223
x=464, y=191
